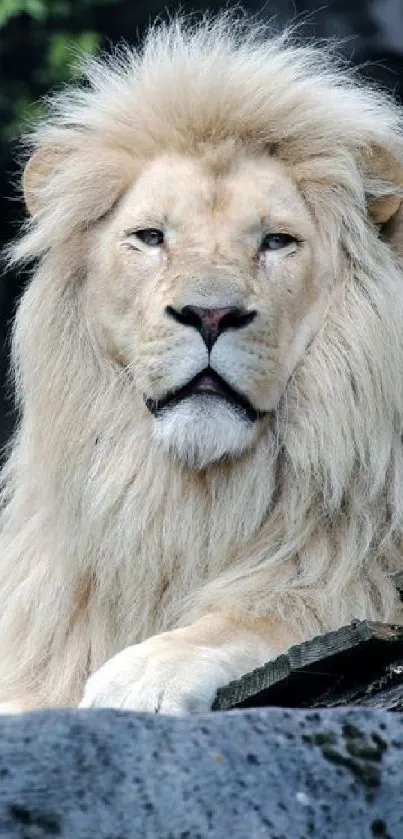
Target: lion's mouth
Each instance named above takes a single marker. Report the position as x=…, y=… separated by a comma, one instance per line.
x=207, y=383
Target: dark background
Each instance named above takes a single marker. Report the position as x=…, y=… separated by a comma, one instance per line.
x=40, y=41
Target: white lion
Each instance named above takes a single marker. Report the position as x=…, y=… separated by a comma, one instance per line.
x=209, y=367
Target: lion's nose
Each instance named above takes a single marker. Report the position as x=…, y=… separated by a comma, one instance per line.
x=211, y=322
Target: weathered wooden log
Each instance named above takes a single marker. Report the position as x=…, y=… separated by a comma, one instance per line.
x=359, y=664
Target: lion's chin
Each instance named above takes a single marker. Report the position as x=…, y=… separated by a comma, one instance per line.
x=202, y=430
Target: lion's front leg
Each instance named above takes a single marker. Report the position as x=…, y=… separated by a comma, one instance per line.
x=180, y=671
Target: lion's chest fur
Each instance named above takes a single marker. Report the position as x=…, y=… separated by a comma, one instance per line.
x=170, y=532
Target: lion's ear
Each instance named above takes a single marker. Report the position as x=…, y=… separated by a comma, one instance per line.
x=74, y=181
x=384, y=168
x=40, y=167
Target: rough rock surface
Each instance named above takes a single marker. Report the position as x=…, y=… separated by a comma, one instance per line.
x=268, y=773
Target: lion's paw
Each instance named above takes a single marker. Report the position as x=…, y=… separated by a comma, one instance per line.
x=164, y=674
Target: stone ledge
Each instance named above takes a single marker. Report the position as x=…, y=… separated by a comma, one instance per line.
x=263, y=774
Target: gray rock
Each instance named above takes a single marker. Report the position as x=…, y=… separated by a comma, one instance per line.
x=269, y=773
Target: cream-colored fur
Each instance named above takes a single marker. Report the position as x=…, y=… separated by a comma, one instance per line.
x=205, y=541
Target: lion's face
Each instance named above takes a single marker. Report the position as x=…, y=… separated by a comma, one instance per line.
x=208, y=285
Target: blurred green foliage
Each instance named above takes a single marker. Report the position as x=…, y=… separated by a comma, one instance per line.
x=40, y=41
x=42, y=10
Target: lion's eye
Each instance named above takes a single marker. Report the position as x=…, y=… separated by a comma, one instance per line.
x=150, y=236
x=276, y=241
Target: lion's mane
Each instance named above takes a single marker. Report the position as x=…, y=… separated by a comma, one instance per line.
x=103, y=540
